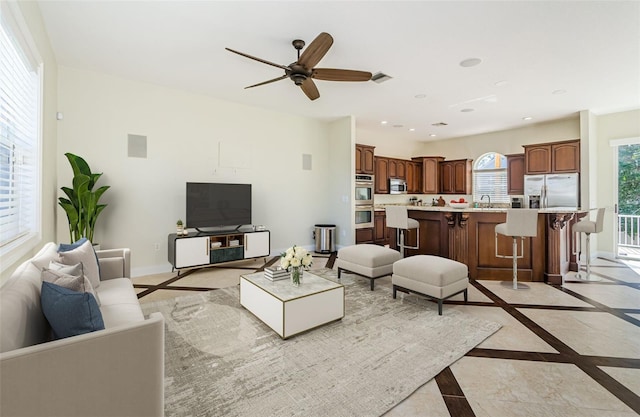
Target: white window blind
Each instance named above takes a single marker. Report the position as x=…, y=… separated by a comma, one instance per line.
x=19, y=136
x=490, y=178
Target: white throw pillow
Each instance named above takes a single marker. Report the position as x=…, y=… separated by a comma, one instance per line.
x=85, y=255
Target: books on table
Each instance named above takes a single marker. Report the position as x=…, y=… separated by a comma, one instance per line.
x=275, y=273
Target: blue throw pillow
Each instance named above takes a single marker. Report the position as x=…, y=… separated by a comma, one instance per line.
x=70, y=313
x=66, y=247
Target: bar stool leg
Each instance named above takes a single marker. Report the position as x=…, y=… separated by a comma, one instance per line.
x=401, y=239
x=588, y=276
x=515, y=263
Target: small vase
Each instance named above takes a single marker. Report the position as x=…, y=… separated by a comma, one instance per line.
x=296, y=275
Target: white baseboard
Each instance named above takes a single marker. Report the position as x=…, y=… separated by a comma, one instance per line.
x=150, y=270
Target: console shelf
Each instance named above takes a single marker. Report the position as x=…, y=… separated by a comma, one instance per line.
x=204, y=249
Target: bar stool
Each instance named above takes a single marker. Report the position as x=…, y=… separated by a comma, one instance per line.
x=587, y=226
x=398, y=218
x=520, y=223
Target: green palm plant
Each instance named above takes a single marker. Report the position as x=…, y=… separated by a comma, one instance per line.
x=81, y=204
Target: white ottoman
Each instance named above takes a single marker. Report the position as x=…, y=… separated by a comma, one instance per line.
x=432, y=276
x=369, y=261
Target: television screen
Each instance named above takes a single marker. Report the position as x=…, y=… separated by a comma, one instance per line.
x=212, y=205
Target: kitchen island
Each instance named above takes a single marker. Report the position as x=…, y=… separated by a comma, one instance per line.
x=468, y=236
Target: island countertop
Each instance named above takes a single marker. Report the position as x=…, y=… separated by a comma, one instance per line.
x=549, y=210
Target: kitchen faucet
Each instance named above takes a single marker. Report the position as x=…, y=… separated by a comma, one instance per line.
x=488, y=196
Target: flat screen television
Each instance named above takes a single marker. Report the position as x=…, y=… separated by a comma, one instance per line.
x=216, y=205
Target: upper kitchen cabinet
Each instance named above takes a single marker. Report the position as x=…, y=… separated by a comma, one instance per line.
x=550, y=158
x=515, y=174
x=455, y=176
x=397, y=168
x=364, y=159
x=414, y=177
x=430, y=173
x=381, y=175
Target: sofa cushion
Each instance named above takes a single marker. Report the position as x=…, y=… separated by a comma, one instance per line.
x=119, y=302
x=73, y=280
x=70, y=313
x=84, y=254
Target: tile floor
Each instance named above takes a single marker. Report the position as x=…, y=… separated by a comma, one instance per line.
x=570, y=350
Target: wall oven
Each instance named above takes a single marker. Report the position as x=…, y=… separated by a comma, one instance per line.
x=364, y=216
x=364, y=190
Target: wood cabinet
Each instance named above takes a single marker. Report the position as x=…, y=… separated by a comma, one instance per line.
x=380, y=230
x=414, y=174
x=551, y=158
x=381, y=175
x=429, y=173
x=364, y=235
x=397, y=168
x=455, y=176
x=364, y=159
x=515, y=174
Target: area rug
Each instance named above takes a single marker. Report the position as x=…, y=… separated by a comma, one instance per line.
x=220, y=360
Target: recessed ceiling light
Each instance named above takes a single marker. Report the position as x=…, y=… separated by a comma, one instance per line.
x=466, y=110
x=501, y=83
x=527, y=118
x=432, y=135
x=420, y=96
x=412, y=129
x=470, y=62
x=384, y=122
x=558, y=91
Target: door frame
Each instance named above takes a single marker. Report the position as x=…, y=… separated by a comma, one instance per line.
x=616, y=143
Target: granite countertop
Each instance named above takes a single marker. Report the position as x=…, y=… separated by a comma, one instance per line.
x=550, y=210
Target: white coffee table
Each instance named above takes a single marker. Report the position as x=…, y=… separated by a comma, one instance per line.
x=290, y=310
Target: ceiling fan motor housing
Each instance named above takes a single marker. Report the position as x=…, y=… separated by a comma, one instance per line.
x=298, y=73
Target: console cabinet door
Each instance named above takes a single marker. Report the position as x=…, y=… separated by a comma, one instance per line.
x=256, y=244
x=192, y=251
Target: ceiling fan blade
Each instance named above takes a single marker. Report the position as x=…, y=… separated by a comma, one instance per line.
x=268, y=81
x=331, y=74
x=257, y=59
x=316, y=50
x=310, y=89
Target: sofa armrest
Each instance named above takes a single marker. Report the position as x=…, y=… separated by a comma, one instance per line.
x=111, y=372
x=114, y=263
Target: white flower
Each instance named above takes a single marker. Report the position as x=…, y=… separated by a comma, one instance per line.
x=296, y=256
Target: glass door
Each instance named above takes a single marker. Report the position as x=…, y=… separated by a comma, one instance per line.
x=628, y=199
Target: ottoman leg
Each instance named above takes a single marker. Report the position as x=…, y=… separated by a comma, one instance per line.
x=394, y=292
x=440, y=307
x=339, y=271
x=372, y=280
x=465, y=296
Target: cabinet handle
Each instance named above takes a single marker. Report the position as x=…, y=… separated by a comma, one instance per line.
x=208, y=243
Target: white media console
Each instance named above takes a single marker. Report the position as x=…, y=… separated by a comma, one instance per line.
x=209, y=248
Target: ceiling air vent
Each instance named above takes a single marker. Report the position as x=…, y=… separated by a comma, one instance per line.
x=380, y=77
x=440, y=124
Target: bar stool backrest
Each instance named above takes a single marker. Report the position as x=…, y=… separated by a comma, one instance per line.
x=522, y=222
x=397, y=217
x=600, y=220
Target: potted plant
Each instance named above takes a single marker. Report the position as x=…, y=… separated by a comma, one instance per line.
x=179, y=228
x=81, y=204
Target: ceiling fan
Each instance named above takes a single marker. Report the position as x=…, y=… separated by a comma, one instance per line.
x=302, y=72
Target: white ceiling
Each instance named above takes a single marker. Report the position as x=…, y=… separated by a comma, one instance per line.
x=591, y=50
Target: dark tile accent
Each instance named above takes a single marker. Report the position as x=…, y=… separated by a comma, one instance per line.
x=452, y=394
x=601, y=307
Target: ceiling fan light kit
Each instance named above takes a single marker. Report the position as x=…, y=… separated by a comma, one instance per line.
x=303, y=71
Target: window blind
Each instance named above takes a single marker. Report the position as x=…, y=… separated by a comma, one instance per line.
x=492, y=182
x=19, y=138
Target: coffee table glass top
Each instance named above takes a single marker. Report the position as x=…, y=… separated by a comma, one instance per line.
x=285, y=291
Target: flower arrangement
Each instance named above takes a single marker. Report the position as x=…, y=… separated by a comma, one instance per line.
x=296, y=259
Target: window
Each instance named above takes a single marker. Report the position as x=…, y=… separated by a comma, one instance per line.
x=490, y=178
x=20, y=101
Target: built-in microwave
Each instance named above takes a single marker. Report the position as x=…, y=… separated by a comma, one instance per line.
x=364, y=216
x=364, y=190
x=397, y=186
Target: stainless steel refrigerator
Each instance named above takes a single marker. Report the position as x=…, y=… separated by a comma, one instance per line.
x=553, y=190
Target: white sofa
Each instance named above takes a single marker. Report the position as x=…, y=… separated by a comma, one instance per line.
x=118, y=371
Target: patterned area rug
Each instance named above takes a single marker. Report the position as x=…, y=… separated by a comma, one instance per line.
x=222, y=361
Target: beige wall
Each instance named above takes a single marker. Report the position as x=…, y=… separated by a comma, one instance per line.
x=33, y=20
x=185, y=132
